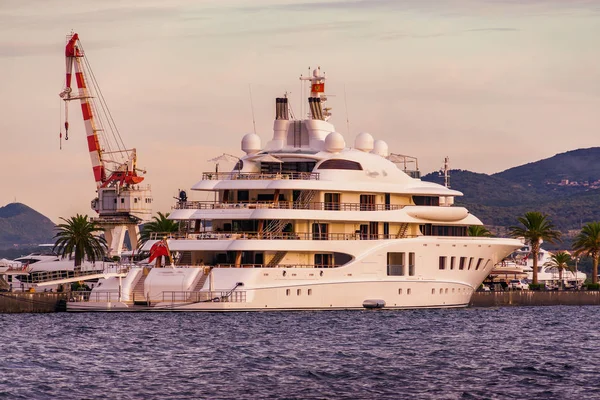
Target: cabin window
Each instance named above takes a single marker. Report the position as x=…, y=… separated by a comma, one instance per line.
x=386, y=230
x=442, y=262
x=243, y=196
x=432, y=291
x=470, y=262
x=407, y=291
x=332, y=201
x=452, y=260
x=426, y=200
x=399, y=291
x=320, y=231
x=287, y=292
x=298, y=292
x=442, y=230
x=479, y=263
x=367, y=202
x=463, y=261
x=411, y=265
x=396, y=264
x=323, y=260
x=341, y=164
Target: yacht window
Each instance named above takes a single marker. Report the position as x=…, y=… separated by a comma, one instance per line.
x=442, y=262
x=399, y=291
x=309, y=292
x=432, y=291
x=407, y=291
x=298, y=292
x=470, y=262
x=411, y=265
x=287, y=292
x=367, y=202
x=426, y=200
x=463, y=261
x=452, y=260
x=243, y=196
x=479, y=263
x=396, y=264
x=441, y=290
x=332, y=201
x=323, y=260
x=341, y=164
x=319, y=231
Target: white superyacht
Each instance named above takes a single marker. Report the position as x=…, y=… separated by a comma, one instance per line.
x=308, y=222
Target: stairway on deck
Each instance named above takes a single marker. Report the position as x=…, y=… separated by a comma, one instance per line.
x=185, y=258
x=138, y=295
x=194, y=294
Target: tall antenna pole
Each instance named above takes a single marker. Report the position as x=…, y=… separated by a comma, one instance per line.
x=252, y=107
x=445, y=172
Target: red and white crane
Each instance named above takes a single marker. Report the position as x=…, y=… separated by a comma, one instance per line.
x=121, y=203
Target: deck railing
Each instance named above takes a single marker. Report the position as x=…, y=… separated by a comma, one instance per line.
x=288, y=205
x=212, y=176
x=224, y=296
x=271, y=236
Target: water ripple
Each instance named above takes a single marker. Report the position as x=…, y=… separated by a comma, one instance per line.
x=497, y=353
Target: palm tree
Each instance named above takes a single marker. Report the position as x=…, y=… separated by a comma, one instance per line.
x=80, y=235
x=159, y=224
x=535, y=228
x=478, y=230
x=560, y=261
x=587, y=243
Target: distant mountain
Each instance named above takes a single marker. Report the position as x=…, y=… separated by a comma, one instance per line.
x=565, y=186
x=23, y=226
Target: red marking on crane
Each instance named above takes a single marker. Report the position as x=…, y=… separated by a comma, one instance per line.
x=92, y=143
x=68, y=79
x=86, y=110
x=98, y=172
x=80, y=80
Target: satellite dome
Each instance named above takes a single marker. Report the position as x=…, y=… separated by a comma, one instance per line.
x=251, y=143
x=364, y=142
x=334, y=142
x=380, y=148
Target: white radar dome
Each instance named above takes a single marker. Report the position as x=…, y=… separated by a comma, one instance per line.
x=334, y=142
x=251, y=143
x=364, y=142
x=380, y=148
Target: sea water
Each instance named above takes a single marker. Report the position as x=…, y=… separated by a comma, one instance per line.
x=504, y=353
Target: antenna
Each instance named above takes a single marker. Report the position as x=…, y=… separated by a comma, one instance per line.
x=346, y=104
x=252, y=107
x=445, y=172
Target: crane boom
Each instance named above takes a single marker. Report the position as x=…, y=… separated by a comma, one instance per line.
x=123, y=171
x=121, y=203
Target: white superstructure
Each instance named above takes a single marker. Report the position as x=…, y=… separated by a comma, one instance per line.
x=310, y=221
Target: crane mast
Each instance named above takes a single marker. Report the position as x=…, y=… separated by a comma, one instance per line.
x=122, y=203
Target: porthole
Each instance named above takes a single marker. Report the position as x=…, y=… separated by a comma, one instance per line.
x=298, y=292
x=446, y=291
x=309, y=292
x=407, y=291
x=441, y=290
x=432, y=291
x=287, y=292
x=399, y=291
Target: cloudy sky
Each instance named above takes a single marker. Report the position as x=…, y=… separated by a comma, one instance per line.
x=490, y=83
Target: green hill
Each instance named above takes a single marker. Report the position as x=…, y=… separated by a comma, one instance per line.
x=500, y=198
x=21, y=226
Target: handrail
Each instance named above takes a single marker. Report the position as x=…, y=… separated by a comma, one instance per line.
x=222, y=296
x=271, y=236
x=295, y=205
x=212, y=176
